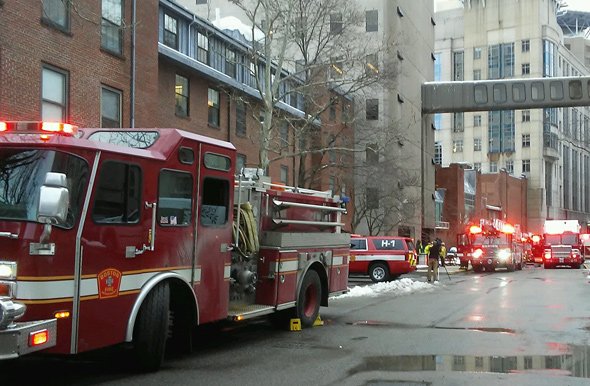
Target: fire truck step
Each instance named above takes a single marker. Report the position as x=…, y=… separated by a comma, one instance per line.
x=240, y=311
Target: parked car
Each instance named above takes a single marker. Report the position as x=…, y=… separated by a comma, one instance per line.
x=382, y=257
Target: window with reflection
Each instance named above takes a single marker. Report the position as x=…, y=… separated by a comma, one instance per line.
x=174, y=198
x=57, y=13
x=118, y=194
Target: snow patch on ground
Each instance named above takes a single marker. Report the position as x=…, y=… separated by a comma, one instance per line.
x=396, y=287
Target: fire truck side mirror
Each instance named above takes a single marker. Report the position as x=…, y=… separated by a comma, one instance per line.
x=54, y=199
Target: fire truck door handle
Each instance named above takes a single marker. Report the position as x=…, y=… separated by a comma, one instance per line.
x=152, y=232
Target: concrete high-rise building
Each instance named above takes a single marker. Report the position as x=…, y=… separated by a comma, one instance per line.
x=504, y=39
x=403, y=190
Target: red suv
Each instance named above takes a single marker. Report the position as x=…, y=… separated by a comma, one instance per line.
x=381, y=257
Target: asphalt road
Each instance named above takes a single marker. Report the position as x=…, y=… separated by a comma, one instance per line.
x=529, y=327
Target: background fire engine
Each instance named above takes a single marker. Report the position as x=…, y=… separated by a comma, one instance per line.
x=562, y=243
x=127, y=236
x=491, y=244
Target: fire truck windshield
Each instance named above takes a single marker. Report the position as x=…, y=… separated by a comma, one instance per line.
x=499, y=239
x=22, y=173
x=565, y=239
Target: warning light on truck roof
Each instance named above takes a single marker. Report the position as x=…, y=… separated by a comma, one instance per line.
x=39, y=127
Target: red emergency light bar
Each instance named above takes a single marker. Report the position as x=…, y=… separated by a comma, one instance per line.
x=39, y=127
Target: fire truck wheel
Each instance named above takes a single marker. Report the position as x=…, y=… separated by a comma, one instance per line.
x=477, y=268
x=151, y=328
x=546, y=266
x=378, y=272
x=308, y=301
x=511, y=267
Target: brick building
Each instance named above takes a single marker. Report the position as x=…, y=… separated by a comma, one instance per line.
x=104, y=64
x=465, y=196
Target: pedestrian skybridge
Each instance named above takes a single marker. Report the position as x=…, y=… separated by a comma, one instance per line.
x=505, y=94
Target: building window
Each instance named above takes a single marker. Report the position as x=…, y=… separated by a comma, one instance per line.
x=112, y=20
x=54, y=86
x=477, y=120
x=476, y=74
x=372, y=109
x=510, y=167
x=332, y=113
x=110, y=107
x=170, y=31
x=332, y=184
x=230, y=63
x=526, y=45
x=501, y=61
x=241, y=118
x=458, y=146
x=284, y=134
x=240, y=162
x=372, y=198
x=335, y=23
x=202, y=48
x=57, y=13
x=526, y=140
x=372, y=18
x=526, y=69
x=458, y=126
x=372, y=154
x=493, y=167
x=201, y=2
x=526, y=115
x=526, y=166
x=284, y=174
x=182, y=96
x=371, y=65
x=438, y=153
x=336, y=68
x=213, y=103
x=476, y=53
x=458, y=65
x=476, y=144
x=477, y=166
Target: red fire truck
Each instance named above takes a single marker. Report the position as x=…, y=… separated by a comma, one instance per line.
x=112, y=236
x=562, y=244
x=492, y=244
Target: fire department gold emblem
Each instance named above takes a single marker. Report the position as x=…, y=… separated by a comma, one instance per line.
x=109, y=282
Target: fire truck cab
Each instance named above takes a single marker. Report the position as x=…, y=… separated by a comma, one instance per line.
x=137, y=236
x=494, y=244
x=562, y=244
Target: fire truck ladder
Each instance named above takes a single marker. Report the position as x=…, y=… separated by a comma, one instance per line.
x=284, y=204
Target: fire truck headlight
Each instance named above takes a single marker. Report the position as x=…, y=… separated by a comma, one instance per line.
x=477, y=253
x=8, y=270
x=547, y=254
x=504, y=254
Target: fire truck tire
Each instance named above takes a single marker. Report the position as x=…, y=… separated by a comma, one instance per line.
x=308, y=301
x=151, y=328
x=378, y=272
x=546, y=266
x=477, y=268
x=511, y=267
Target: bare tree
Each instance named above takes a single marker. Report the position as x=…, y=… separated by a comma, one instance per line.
x=316, y=55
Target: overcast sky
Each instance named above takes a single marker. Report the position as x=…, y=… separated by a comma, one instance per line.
x=580, y=5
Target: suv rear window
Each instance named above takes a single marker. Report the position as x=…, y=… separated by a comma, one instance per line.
x=358, y=244
x=389, y=244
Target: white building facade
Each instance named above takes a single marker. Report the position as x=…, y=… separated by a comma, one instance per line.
x=505, y=39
